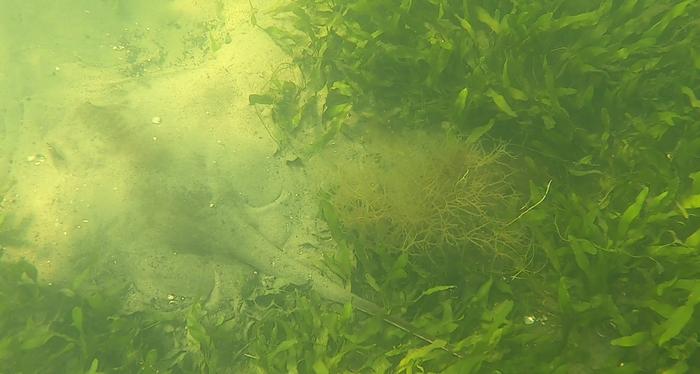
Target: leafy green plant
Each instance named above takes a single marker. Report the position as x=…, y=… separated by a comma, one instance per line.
x=598, y=97
x=83, y=329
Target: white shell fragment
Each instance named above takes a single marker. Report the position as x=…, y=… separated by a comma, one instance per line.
x=155, y=120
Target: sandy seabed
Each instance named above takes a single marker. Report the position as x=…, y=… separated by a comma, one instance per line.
x=123, y=125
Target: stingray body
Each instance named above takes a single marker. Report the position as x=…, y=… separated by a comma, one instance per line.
x=180, y=209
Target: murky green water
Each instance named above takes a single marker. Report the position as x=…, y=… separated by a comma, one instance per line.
x=352, y=186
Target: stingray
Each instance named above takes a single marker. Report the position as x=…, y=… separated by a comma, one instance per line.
x=180, y=209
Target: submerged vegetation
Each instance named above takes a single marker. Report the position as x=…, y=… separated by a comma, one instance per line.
x=598, y=271
x=430, y=195
x=597, y=97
